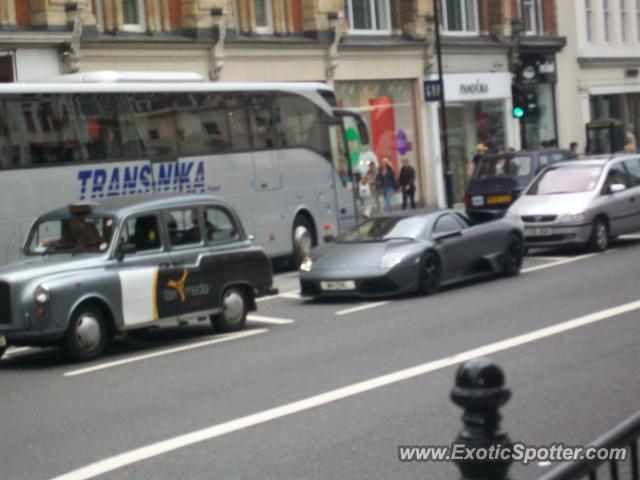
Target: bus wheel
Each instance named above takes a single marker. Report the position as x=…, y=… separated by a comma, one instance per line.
x=234, y=311
x=86, y=336
x=303, y=241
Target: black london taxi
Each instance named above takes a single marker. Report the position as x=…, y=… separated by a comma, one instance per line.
x=92, y=271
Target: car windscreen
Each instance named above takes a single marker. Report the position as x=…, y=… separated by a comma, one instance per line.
x=73, y=234
x=384, y=228
x=501, y=167
x=574, y=179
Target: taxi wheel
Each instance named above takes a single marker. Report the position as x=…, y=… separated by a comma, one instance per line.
x=430, y=274
x=86, y=335
x=2, y=350
x=512, y=257
x=599, y=240
x=234, y=311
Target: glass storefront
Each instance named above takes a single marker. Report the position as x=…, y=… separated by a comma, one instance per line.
x=468, y=124
x=625, y=107
x=539, y=126
x=388, y=108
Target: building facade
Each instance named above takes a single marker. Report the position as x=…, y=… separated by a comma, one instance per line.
x=599, y=68
x=376, y=54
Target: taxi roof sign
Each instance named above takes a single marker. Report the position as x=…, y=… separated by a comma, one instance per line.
x=80, y=208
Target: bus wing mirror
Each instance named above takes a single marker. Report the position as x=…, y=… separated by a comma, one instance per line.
x=363, y=131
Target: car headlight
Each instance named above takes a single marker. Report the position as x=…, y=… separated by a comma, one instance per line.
x=573, y=217
x=42, y=294
x=391, y=260
x=307, y=264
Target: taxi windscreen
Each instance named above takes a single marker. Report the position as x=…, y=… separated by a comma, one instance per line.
x=500, y=167
x=74, y=234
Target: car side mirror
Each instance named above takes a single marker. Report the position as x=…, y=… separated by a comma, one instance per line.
x=329, y=238
x=616, y=188
x=437, y=237
x=125, y=249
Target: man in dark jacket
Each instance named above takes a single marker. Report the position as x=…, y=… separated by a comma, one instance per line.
x=408, y=184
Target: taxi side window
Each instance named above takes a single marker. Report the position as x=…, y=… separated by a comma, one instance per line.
x=633, y=166
x=142, y=232
x=183, y=226
x=219, y=225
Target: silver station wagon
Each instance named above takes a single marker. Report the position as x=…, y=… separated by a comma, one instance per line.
x=94, y=271
x=582, y=202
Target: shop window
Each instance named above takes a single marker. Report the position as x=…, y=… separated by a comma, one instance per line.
x=623, y=20
x=460, y=16
x=530, y=11
x=263, y=11
x=133, y=15
x=368, y=16
x=606, y=15
x=588, y=11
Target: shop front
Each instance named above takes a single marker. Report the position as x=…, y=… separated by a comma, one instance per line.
x=478, y=111
x=537, y=79
x=388, y=108
x=624, y=107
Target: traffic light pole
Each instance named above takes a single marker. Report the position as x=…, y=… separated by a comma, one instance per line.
x=444, y=138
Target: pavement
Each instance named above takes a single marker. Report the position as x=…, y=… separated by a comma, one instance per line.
x=330, y=389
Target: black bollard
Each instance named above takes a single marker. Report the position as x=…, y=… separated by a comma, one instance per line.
x=480, y=392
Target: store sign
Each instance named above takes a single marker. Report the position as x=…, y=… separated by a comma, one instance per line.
x=477, y=86
x=431, y=90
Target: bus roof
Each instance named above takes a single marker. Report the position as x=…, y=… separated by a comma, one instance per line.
x=112, y=76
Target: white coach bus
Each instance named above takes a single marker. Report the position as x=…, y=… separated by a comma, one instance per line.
x=275, y=151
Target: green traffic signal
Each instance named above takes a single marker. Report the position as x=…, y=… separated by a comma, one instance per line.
x=518, y=112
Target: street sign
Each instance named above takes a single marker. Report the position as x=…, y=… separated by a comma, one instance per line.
x=432, y=90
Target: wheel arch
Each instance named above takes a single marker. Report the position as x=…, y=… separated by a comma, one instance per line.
x=102, y=304
x=305, y=213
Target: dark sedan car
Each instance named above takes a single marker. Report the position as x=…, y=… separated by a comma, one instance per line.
x=392, y=255
x=498, y=180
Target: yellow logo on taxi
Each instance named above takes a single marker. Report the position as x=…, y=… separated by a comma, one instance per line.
x=179, y=285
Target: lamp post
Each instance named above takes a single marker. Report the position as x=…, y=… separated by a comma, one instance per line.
x=444, y=138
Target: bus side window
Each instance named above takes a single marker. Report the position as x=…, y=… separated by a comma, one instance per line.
x=263, y=122
x=301, y=123
x=155, y=123
x=236, y=111
x=201, y=124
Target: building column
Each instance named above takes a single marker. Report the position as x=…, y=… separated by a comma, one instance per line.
x=7, y=13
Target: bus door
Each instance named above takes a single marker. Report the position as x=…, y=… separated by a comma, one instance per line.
x=343, y=181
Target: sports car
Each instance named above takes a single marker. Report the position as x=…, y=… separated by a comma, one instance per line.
x=392, y=255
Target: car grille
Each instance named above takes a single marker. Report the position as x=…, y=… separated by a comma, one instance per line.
x=5, y=303
x=308, y=287
x=538, y=218
x=378, y=285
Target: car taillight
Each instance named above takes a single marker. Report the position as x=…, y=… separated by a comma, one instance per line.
x=467, y=200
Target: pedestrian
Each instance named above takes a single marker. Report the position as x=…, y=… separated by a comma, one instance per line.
x=481, y=150
x=386, y=181
x=407, y=182
x=371, y=179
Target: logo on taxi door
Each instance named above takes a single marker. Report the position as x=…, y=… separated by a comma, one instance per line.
x=179, y=285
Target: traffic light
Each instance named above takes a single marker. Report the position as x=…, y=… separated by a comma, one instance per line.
x=525, y=102
x=518, y=100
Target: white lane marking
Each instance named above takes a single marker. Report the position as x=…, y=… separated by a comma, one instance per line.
x=149, y=451
x=545, y=258
x=559, y=262
x=269, y=320
x=366, y=306
x=219, y=339
x=289, y=294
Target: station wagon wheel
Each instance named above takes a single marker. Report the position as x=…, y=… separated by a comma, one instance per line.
x=86, y=335
x=303, y=241
x=512, y=257
x=234, y=311
x=430, y=274
x=599, y=240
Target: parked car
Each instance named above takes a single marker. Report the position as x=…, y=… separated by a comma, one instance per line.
x=94, y=271
x=499, y=179
x=391, y=255
x=582, y=202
